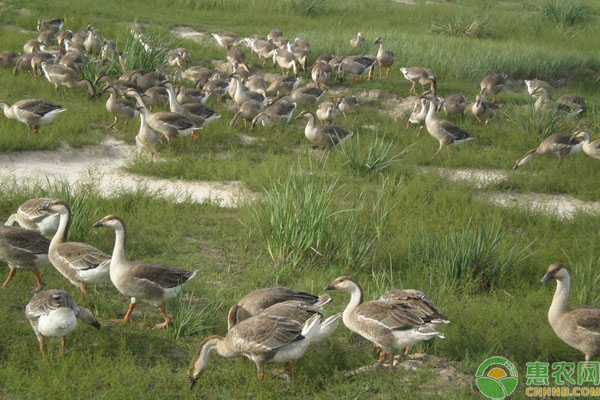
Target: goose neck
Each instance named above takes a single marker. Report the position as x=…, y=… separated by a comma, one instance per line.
x=356, y=298
x=119, y=249
x=62, y=233
x=173, y=104
x=560, y=301
x=8, y=110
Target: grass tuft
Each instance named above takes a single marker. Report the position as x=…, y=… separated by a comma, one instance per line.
x=190, y=319
x=567, y=12
x=376, y=157
x=309, y=7
x=459, y=26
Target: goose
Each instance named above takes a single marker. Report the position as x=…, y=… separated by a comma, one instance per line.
x=8, y=59
x=46, y=38
x=419, y=305
x=197, y=74
x=385, y=58
x=324, y=58
x=348, y=105
x=72, y=59
x=54, y=50
x=283, y=85
x=262, y=339
x=150, y=282
x=23, y=249
x=389, y=324
x=327, y=136
x=535, y=84
x=558, y=144
x=120, y=108
x=573, y=101
x=307, y=95
x=277, y=115
x=144, y=78
x=545, y=103
x=120, y=84
x=175, y=59
x=265, y=50
x=247, y=111
x=275, y=33
x=422, y=75
x=591, y=148
x=454, y=104
x=55, y=24
x=327, y=111
x=36, y=61
x=418, y=115
x=444, y=131
x=156, y=96
x=493, y=84
x=286, y=61
x=80, y=37
x=31, y=46
x=259, y=300
x=241, y=93
x=281, y=42
x=109, y=50
x=53, y=314
x=301, y=55
x=190, y=95
x=226, y=39
x=236, y=56
x=358, y=40
x=23, y=62
x=257, y=84
x=80, y=263
x=198, y=113
x=483, y=109
x=93, y=42
x=146, y=139
x=29, y=216
x=169, y=124
x=32, y=112
x=321, y=73
x=217, y=87
x=60, y=75
x=578, y=327
x=302, y=43
x=63, y=37
x=356, y=66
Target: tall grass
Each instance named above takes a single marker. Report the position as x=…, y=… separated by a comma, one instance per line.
x=375, y=157
x=190, y=319
x=567, y=12
x=477, y=28
x=535, y=123
x=309, y=7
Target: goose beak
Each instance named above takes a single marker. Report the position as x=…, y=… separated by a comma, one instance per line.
x=193, y=383
x=546, y=277
x=329, y=287
x=96, y=325
x=98, y=224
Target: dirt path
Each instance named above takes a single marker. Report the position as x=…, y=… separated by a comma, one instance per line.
x=103, y=164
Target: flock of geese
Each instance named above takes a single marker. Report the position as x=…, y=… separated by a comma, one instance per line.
x=272, y=324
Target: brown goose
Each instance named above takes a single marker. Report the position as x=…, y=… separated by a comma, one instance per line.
x=390, y=324
x=327, y=111
x=144, y=78
x=493, y=84
x=236, y=56
x=283, y=85
x=286, y=61
x=483, y=109
x=120, y=108
x=60, y=75
x=23, y=249
x=356, y=66
x=423, y=76
x=146, y=139
x=259, y=300
x=150, y=282
x=578, y=327
x=226, y=39
x=156, y=96
x=32, y=112
x=573, y=101
x=120, y=84
x=454, y=104
x=55, y=24
x=307, y=95
x=358, y=40
x=348, y=105
x=197, y=74
x=321, y=73
x=54, y=314
x=257, y=84
x=190, y=95
x=417, y=116
x=37, y=59
x=445, y=132
x=80, y=263
x=8, y=59
x=217, y=87
x=385, y=58
x=277, y=114
x=535, y=84
x=327, y=136
x=545, y=103
x=31, y=46
x=262, y=339
x=29, y=216
x=558, y=144
x=247, y=111
x=198, y=113
x=591, y=148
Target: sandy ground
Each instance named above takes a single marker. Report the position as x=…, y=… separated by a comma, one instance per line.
x=104, y=165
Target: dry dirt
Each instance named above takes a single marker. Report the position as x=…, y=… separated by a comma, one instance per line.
x=103, y=165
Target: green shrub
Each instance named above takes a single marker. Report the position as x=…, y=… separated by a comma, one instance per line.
x=567, y=12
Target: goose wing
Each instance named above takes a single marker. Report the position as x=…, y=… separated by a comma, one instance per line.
x=587, y=319
x=335, y=133
x=258, y=300
x=163, y=276
x=23, y=239
x=417, y=300
x=292, y=309
x=39, y=107
x=265, y=333
x=47, y=301
x=82, y=256
x=31, y=209
x=175, y=120
x=560, y=142
x=392, y=314
x=200, y=110
x=454, y=131
x=313, y=91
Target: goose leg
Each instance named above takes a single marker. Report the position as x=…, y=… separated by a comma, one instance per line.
x=113, y=124
x=440, y=149
x=38, y=280
x=167, y=321
x=420, y=129
x=406, y=350
x=559, y=161
x=83, y=289
x=380, y=72
x=11, y=274
x=63, y=347
x=36, y=129
x=42, y=346
x=413, y=89
x=382, y=356
x=387, y=72
x=289, y=371
x=128, y=315
x=391, y=358
x=261, y=372
x=355, y=117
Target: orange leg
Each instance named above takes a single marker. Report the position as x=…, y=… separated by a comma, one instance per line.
x=381, y=356
x=42, y=347
x=261, y=375
x=387, y=73
x=38, y=279
x=420, y=129
x=391, y=358
x=128, y=315
x=167, y=321
x=83, y=289
x=11, y=274
x=380, y=72
x=406, y=351
x=407, y=125
x=63, y=347
x=289, y=370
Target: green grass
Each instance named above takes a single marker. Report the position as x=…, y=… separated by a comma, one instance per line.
x=374, y=209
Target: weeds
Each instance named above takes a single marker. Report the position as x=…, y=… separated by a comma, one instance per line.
x=376, y=157
x=567, y=12
x=458, y=26
x=309, y=7
x=189, y=319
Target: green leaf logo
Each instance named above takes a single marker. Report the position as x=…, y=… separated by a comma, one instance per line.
x=497, y=378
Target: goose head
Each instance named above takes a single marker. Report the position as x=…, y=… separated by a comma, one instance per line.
x=344, y=283
x=556, y=271
x=379, y=40
x=305, y=114
x=110, y=221
x=582, y=135
x=56, y=206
